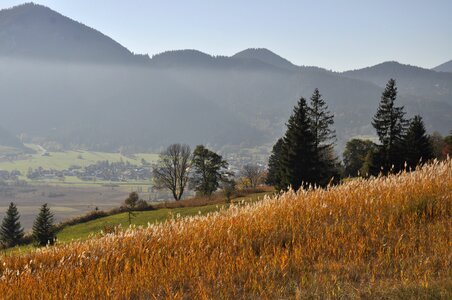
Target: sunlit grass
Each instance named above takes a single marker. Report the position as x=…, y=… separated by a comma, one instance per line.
x=378, y=238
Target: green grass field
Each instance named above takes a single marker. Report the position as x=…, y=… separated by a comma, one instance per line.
x=65, y=159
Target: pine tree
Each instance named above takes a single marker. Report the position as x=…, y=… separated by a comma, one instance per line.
x=321, y=121
x=11, y=232
x=299, y=158
x=417, y=143
x=274, y=165
x=390, y=125
x=43, y=228
x=208, y=170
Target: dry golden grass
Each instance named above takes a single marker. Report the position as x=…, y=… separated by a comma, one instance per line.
x=378, y=238
x=215, y=198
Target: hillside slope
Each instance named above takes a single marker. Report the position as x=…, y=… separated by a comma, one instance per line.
x=377, y=238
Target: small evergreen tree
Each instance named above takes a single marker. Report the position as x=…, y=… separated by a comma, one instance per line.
x=417, y=143
x=208, y=170
x=274, y=165
x=43, y=227
x=390, y=125
x=11, y=231
x=321, y=120
x=298, y=164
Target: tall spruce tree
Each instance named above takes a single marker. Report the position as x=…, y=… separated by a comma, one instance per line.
x=391, y=126
x=298, y=162
x=418, y=146
x=274, y=165
x=11, y=231
x=321, y=120
x=43, y=227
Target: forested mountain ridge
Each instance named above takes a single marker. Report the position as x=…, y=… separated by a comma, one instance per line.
x=35, y=31
x=99, y=95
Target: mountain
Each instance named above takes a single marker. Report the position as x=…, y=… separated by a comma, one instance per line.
x=266, y=56
x=37, y=32
x=182, y=58
x=445, y=67
x=107, y=98
x=189, y=58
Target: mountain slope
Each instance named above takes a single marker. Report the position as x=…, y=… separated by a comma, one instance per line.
x=445, y=67
x=37, y=32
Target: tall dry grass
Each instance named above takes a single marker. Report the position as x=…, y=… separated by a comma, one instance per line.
x=383, y=237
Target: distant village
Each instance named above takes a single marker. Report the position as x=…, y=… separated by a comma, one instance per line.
x=102, y=170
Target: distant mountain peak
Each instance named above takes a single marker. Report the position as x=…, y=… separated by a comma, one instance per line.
x=182, y=52
x=184, y=57
x=445, y=67
x=266, y=56
x=35, y=31
x=390, y=68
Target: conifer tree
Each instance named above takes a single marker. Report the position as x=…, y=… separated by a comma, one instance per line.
x=43, y=227
x=417, y=143
x=274, y=165
x=321, y=121
x=11, y=231
x=390, y=125
x=299, y=159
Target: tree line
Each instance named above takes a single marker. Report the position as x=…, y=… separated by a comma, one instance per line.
x=202, y=170
x=305, y=157
x=403, y=143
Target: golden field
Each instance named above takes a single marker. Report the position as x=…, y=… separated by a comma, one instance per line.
x=387, y=237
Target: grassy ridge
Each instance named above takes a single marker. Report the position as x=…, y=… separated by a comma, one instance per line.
x=379, y=238
x=142, y=218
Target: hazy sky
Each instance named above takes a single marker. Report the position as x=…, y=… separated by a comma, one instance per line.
x=336, y=35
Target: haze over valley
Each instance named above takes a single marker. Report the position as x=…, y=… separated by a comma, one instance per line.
x=67, y=86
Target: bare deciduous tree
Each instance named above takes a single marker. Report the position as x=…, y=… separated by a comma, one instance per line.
x=254, y=174
x=172, y=169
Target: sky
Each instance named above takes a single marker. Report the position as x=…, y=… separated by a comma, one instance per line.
x=337, y=35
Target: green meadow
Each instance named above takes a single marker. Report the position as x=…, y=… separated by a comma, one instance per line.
x=65, y=159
